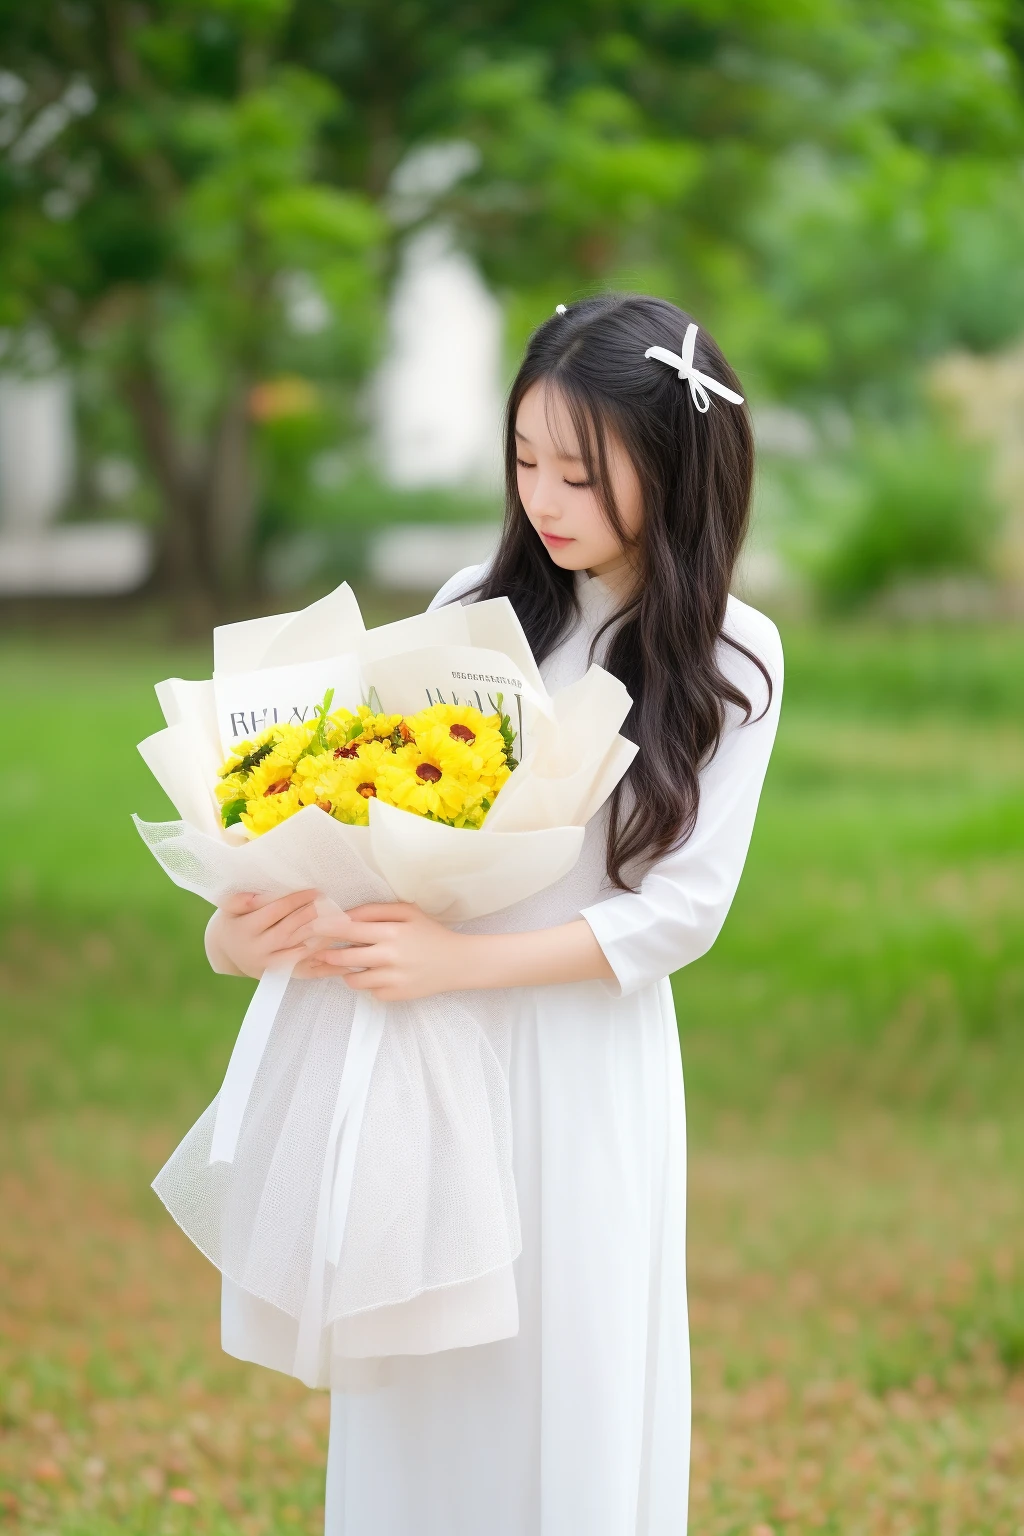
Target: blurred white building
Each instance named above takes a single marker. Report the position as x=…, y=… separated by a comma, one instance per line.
x=38, y=555
x=438, y=395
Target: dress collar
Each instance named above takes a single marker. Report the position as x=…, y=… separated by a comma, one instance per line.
x=596, y=598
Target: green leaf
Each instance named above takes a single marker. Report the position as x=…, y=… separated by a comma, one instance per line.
x=250, y=760
x=231, y=813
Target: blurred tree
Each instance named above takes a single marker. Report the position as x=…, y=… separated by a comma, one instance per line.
x=160, y=204
x=834, y=184
x=202, y=188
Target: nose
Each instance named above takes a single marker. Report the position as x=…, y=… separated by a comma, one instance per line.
x=544, y=500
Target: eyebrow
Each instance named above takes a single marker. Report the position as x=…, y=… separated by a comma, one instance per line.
x=563, y=458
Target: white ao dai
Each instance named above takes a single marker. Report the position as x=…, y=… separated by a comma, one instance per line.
x=580, y=1424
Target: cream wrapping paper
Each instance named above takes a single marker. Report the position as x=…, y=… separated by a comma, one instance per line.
x=353, y=1177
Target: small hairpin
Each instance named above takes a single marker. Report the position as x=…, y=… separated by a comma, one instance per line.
x=699, y=383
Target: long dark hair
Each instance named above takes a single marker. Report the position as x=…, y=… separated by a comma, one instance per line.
x=695, y=471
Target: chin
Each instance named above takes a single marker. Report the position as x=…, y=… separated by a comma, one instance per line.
x=570, y=559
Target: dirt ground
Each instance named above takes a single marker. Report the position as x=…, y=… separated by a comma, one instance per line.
x=853, y=1373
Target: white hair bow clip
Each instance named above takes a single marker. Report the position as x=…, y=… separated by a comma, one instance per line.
x=699, y=383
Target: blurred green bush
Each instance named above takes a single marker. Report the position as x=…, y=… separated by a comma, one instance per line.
x=922, y=508
x=880, y=508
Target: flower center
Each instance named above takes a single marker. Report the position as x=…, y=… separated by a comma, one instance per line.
x=368, y=791
x=428, y=773
x=277, y=788
x=346, y=751
x=461, y=733
x=324, y=805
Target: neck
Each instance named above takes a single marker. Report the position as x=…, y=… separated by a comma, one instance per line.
x=618, y=576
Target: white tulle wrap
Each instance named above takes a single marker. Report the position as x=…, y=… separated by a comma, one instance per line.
x=353, y=1178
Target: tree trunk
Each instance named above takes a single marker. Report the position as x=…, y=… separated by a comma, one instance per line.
x=183, y=567
x=229, y=496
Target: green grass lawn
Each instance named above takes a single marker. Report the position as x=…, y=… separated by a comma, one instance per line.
x=854, y=1060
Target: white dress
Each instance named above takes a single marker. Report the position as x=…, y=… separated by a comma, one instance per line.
x=579, y=1425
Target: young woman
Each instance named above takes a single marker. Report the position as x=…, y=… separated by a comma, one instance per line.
x=629, y=463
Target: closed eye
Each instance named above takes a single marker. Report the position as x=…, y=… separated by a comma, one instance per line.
x=580, y=485
x=524, y=465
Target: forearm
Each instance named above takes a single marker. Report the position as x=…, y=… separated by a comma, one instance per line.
x=544, y=957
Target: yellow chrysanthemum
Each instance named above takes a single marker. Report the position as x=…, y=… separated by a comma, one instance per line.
x=293, y=740
x=451, y=714
x=231, y=787
x=481, y=760
x=415, y=782
x=465, y=741
x=274, y=770
x=380, y=727
x=342, y=785
x=244, y=749
x=267, y=811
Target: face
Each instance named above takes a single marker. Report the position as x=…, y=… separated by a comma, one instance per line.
x=560, y=502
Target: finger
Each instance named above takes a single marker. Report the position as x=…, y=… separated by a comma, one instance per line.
x=309, y=969
x=370, y=981
x=284, y=957
x=384, y=912
x=283, y=906
x=297, y=924
x=342, y=927
x=357, y=957
x=333, y=925
x=239, y=904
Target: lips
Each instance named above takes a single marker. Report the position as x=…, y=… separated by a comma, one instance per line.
x=555, y=540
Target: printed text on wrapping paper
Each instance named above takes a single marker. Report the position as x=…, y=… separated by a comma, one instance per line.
x=489, y=677
x=247, y=723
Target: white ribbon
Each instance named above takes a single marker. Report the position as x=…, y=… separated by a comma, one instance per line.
x=699, y=383
x=342, y=1140
x=245, y=1063
x=336, y=1177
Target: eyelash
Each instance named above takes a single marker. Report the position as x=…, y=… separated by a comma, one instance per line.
x=577, y=485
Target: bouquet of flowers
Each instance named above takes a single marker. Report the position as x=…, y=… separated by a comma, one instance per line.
x=447, y=762
x=353, y=1178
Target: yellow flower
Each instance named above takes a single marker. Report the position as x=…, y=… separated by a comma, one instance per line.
x=341, y=724
x=292, y=740
x=231, y=787
x=447, y=762
x=344, y=786
x=244, y=749
x=417, y=782
x=379, y=727
x=463, y=715
x=271, y=775
x=266, y=811
x=475, y=754
x=463, y=742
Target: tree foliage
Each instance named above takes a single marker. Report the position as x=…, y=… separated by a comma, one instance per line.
x=160, y=205
x=835, y=186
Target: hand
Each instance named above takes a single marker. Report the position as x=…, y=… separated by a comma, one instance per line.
x=258, y=933
x=398, y=952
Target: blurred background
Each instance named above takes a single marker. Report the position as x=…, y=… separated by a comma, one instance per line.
x=266, y=268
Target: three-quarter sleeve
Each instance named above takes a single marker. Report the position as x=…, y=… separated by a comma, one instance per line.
x=677, y=912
